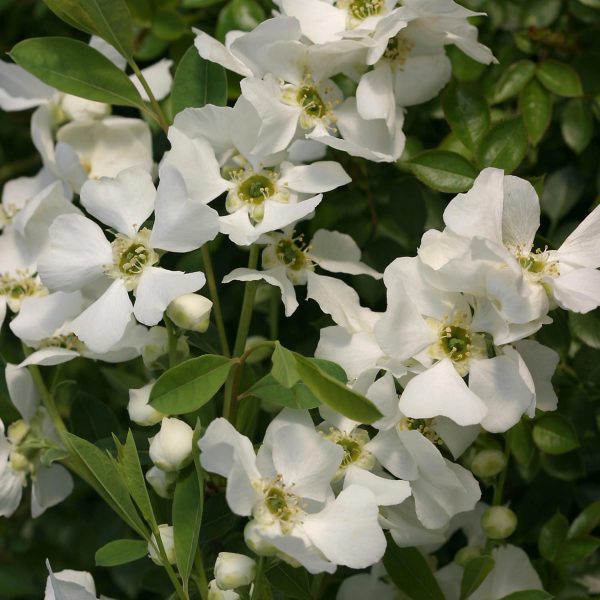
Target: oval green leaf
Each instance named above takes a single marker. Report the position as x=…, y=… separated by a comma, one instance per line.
x=586, y=521
x=121, y=552
x=535, y=105
x=559, y=78
x=75, y=68
x=270, y=390
x=504, y=146
x=552, y=537
x=577, y=124
x=190, y=385
x=528, y=595
x=513, y=80
x=553, y=434
x=443, y=171
x=467, y=113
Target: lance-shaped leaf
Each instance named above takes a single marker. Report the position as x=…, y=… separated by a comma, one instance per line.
x=443, y=171
x=474, y=575
x=120, y=552
x=75, y=68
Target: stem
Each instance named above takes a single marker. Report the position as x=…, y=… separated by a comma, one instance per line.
x=317, y=586
x=153, y=101
x=167, y=565
x=214, y=296
x=242, y=334
x=274, y=307
x=258, y=579
x=172, y=338
x=200, y=579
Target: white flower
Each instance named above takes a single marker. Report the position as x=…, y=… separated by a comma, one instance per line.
x=21, y=446
x=216, y=593
x=162, y=482
x=139, y=410
x=166, y=533
x=234, y=570
x=75, y=585
x=190, y=311
x=287, y=262
x=286, y=490
x=80, y=255
x=171, y=447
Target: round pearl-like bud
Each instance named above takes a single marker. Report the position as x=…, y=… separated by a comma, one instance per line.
x=234, y=570
x=498, y=522
x=215, y=593
x=466, y=555
x=162, y=483
x=190, y=311
x=171, y=447
x=166, y=536
x=139, y=410
x=488, y=463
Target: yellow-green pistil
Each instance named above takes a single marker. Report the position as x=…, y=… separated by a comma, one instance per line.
x=456, y=342
x=256, y=189
x=311, y=102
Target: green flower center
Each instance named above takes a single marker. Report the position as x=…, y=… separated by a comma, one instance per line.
x=68, y=341
x=278, y=503
x=256, y=189
x=133, y=259
x=532, y=263
x=398, y=49
x=456, y=342
x=361, y=9
x=311, y=102
x=352, y=450
x=18, y=288
x=290, y=255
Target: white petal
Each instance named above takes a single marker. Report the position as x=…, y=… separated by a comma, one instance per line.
x=521, y=212
x=338, y=252
x=2, y=310
x=159, y=79
x=49, y=357
x=388, y=492
x=364, y=585
x=581, y=247
x=406, y=529
x=541, y=362
x=157, y=287
x=11, y=491
x=276, y=277
x=320, y=21
x=51, y=486
x=69, y=585
x=421, y=78
x=316, y=178
x=457, y=438
x=347, y=531
x=180, y=225
x=278, y=214
x=212, y=50
x=77, y=254
x=210, y=122
x=393, y=455
x=498, y=383
x=124, y=202
x=441, y=391
x=478, y=213
x=113, y=310
x=68, y=166
x=375, y=94
x=20, y=90
x=577, y=290
x=22, y=391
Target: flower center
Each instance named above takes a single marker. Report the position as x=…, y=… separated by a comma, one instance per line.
x=7, y=213
x=353, y=445
x=456, y=342
x=131, y=257
x=16, y=289
x=291, y=255
x=398, y=49
x=423, y=426
x=256, y=189
x=279, y=503
x=68, y=341
x=362, y=9
x=311, y=102
x=538, y=264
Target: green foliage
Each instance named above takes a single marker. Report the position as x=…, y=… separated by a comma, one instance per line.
x=476, y=570
x=121, y=552
x=443, y=171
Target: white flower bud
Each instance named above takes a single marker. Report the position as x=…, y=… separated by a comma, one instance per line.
x=171, y=447
x=166, y=535
x=234, y=570
x=190, y=311
x=488, y=463
x=139, y=410
x=214, y=593
x=498, y=522
x=162, y=483
x=260, y=354
x=256, y=542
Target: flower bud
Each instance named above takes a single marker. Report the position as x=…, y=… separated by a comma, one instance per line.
x=498, y=522
x=162, y=483
x=166, y=536
x=488, y=463
x=19, y=462
x=214, y=593
x=190, y=311
x=256, y=542
x=139, y=410
x=234, y=570
x=17, y=432
x=171, y=447
x=466, y=555
x=261, y=353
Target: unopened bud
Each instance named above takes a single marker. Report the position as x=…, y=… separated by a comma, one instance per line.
x=259, y=354
x=466, y=555
x=139, y=410
x=17, y=432
x=498, y=522
x=171, y=447
x=488, y=463
x=166, y=536
x=256, y=542
x=190, y=311
x=214, y=593
x=162, y=483
x=19, y=462
x=234, y=570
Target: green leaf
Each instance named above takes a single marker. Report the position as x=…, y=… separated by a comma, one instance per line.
x=290, y=581
x=464, y=68
x=190, y=385
x=577, y=124
x=586, y=521
x=198, y=82
x=443, y=171
x=188, y=504
x=142, y=11
x=552, y=537
x=528, y=595
x=567, y=467
x=108, y=19
x=513, y=80
x=562, y=191
x=504, y=146
x=244, y=15
x=535, y=106
x=111, y=485
x=270, y=390
x=553, y=434
x=540, y=13
x=476, y=570
x=74, y=67
x=521, y=443
x=409, y=571
x=52, y=455
x=170, y=25
x=586, y=327
x=120, y=552
x=284, y=366
x=91, y=418
x=467, y=113
x=335, y=394
x=577, y=550
x=559, y=78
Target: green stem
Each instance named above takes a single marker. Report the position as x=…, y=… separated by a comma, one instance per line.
x=172, y=341
x=160, y=117
x=167, y=565
x=214, y=296
x=274, y=307
x=258, y=579
x=200, y=578
x=317, y=586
